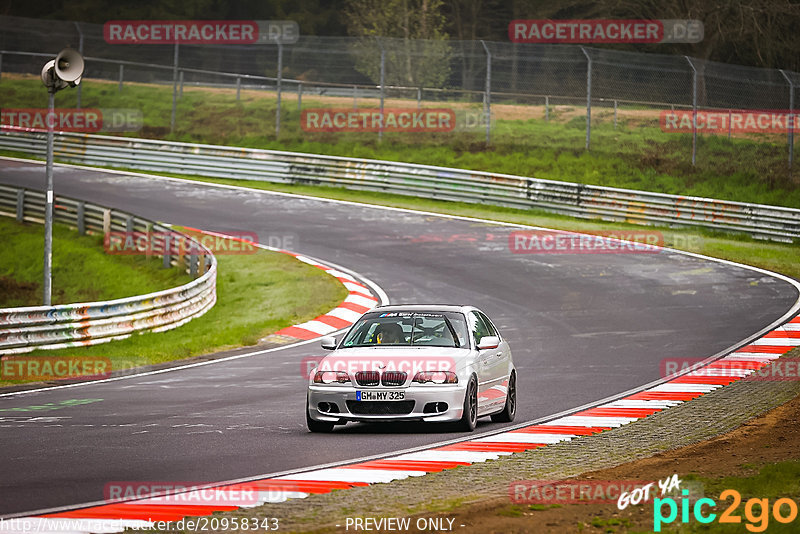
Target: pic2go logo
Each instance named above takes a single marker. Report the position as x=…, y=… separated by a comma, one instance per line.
x=756, y=511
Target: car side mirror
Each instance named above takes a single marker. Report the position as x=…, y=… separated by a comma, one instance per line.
x=328, y=342
x=489, y=342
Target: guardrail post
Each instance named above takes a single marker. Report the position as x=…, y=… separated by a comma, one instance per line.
x=238, y=87
x=193, y=265
x=121, y=75
x=546, y=108
x=278, y=84
x=419, y=97
x=299, y=96
x=20, y=205
x=694, y=110
x=129, y=224
x=790, y=120
x=588, y=96
x=487, y=99
x=615, y=114
x=174, y=88
x=106, y=221
x=383, y=88
x=81, y=217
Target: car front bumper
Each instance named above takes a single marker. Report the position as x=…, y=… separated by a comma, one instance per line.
x=350, y=409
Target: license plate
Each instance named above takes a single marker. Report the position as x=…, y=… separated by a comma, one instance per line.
x=380, y=395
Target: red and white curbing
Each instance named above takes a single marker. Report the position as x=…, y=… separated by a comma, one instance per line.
x=750, y=358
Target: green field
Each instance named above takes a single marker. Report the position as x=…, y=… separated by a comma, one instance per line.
x=257, y=294
x=636, y=155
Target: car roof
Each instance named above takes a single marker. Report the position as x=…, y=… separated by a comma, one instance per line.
x=425, y=307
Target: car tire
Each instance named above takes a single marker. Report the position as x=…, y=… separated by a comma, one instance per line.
x=469, y=419
x=317, y=426
x=510, y=408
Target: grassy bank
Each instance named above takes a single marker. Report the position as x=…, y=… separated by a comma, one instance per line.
x=82, y=272
x=257, y=294
x=635, y=155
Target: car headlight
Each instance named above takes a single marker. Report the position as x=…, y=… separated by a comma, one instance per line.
x=329, y=377
x=436, y=377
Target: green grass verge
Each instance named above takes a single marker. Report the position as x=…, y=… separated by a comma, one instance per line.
x=82, y=271
x=636, y=155
x=257, y=294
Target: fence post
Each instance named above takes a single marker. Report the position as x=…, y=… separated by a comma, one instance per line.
x=121, y=74
x=355, y=97
x=615, y=114
x=588, y=96
x=20, y=205
x=1, y=65
x=546, y=108
x=487, y=100
x=791, y=118
x=694, y=110
x=278, y=87
x=299, y=96
x=383, y=89
x=419, y=97
x=174, y=88
x=193, y=265
x=80, y=51
x=166, y=259
x=180, y=83
x=81, y=217
x=238, y=87
x=730, y=116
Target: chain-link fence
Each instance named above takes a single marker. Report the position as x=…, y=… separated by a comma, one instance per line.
x=370, y=71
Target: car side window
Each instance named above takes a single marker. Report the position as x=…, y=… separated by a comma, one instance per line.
x=489, y=325
x=478, y=327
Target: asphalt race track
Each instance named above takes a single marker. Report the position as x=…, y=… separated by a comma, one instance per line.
x=581, y=326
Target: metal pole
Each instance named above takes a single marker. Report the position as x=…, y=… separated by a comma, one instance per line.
x=615, y=114
x=1, y=65
x=174, y=89
x=121, y=74
x=383, y=80
x=299, y=96
x=487, y=101
x=419, y=97
x=791, y=118
x=546, y=108
x=730, y=116
x=588, y=96
x=694, y=110
x=80, y=50
x=278, y=83
x=355, y=97
x=180, y=84
x=238, y=87
x=48, y=203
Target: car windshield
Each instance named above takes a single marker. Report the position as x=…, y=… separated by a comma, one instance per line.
x=432, y=329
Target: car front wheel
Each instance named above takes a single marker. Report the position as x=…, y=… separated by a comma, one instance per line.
x=510, y=409
x=470, y=417
x=317, y=426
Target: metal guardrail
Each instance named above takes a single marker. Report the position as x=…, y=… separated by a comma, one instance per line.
x=70, y=325
x=578, y=200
